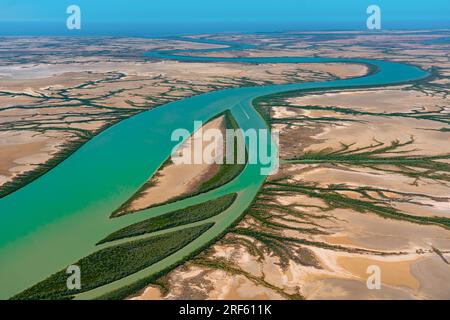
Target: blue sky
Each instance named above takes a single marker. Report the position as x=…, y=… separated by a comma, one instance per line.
x=184, y=16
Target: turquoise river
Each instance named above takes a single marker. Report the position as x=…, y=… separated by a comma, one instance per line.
x=58, y=218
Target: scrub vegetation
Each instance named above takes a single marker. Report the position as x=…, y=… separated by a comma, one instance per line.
x=176, y=218
x=113, y=263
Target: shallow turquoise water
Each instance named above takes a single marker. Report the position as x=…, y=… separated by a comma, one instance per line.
x=57, y=219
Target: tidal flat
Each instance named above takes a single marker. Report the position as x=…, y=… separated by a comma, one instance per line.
x=364, y=177
x=317, y=226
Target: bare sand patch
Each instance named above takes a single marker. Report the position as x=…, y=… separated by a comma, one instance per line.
x=434, y=277
x=23, y=151
x=240, y=288
x=385, y=100
x=149, y=293
x=395, y=273
x=175, y=180
x=372, y=232
x=346, y=289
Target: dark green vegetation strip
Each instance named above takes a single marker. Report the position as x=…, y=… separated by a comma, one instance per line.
x=113, y=263
x=176, y=218
x=131, y=289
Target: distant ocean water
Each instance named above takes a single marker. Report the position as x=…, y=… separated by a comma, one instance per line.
x=166, y=29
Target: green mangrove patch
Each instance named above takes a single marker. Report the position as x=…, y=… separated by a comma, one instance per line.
x=113, y=263
x=176, y=218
